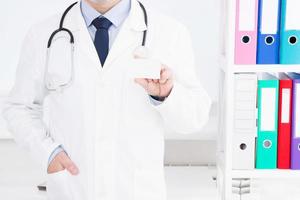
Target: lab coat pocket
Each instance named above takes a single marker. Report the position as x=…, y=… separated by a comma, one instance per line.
x=149, y=184
x=57, y=187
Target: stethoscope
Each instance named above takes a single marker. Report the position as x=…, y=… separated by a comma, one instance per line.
x=50, y=82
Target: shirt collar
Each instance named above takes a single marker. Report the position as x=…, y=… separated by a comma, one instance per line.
x=116, y=15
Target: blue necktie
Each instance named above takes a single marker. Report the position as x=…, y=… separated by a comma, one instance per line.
x=101, y=38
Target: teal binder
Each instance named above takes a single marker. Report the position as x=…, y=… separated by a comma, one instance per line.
x=266, y=143
x=289, y=33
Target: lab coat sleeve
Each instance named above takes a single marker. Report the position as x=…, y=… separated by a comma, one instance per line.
x=54, y=153
x=154, y=101
x=23, y=109
x=186, y=109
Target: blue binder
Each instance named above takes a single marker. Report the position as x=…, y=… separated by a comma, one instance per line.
x=268, y=32
x=290, y=32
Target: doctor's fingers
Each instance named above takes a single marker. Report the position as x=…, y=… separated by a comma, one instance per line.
x=168, y=84
x=165, y=75
x=66, y=162
x=155, y=80
x=142, y=81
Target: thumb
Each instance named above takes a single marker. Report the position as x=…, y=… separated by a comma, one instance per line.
x=142, y=81
x=67, y=163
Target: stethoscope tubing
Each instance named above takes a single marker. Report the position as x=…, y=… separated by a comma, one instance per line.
x=72, y=41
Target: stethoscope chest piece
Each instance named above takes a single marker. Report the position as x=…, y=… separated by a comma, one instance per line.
x=53, y=83
x=59, y=70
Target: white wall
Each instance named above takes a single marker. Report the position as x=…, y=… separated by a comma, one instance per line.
x=200, y=16
x=15, y=19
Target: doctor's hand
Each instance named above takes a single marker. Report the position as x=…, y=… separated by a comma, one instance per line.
x=158, y=87
x=60, y=162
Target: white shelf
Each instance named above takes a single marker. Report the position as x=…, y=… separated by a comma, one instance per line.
x=5, y=135
x=265, y=68
x=267, y=173
x=260, y=68
x=232, y=68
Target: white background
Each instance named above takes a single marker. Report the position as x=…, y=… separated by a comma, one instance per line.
x=201, y=17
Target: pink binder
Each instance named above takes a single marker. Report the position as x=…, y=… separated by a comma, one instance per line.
x=246, y=32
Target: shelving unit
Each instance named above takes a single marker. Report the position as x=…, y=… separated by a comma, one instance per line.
x=226, y=95
x=269, y=174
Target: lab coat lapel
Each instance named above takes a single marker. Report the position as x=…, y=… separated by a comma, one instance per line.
x=83, y=41
x=129, y=36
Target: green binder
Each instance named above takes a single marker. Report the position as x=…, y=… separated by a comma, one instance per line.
x=266, y=143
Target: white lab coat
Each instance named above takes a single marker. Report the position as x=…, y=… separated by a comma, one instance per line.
x=105, y=121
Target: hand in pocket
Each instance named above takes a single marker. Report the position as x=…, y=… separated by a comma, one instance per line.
x=60, y=162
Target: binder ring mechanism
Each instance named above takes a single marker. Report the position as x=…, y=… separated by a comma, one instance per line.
x=293, y=40
x=246, y=39
x=243, y=146
x=269, y=40
x=267, y=144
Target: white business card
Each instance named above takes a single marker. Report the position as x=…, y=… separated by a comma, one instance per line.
x=145, y=68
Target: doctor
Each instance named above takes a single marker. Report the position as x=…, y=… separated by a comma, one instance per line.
x=104, y=134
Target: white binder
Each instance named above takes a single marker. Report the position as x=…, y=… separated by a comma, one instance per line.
x=244, y=121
